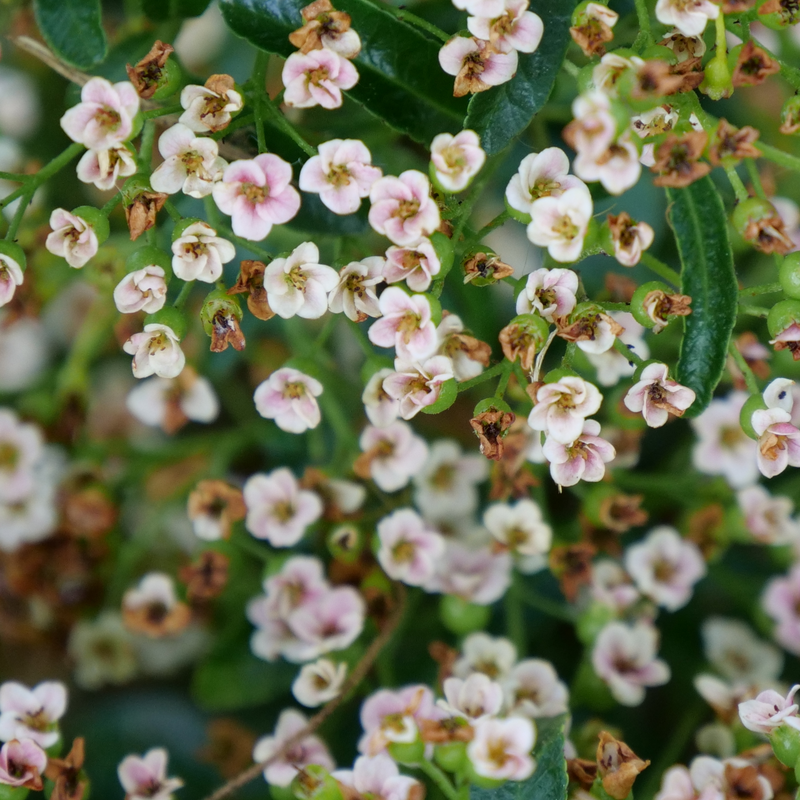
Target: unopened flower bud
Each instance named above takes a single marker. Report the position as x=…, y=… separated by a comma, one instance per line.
x=785, y=741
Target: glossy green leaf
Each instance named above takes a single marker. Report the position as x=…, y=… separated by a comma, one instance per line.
x=400, y=81
x=698, y=218
x=549, y=781
x=174, y=9
x=239, y=680
x=73, y=29
x=502, y=113
x=315, y=218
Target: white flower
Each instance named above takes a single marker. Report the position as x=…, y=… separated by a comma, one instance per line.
x=198, y=253
x=456, y=159
x=611, y=365
x=562, y=408
x=299, y=284
x=550, y=292
x=544, y=174
x=520, y=528
x=145, y=778
x=319, y=682
x=104, y=117
x=157, y=401
x=102, y=650
x=501, y=748
x=104, y=167
x=392, y=454
x=32, y=713
x=354, y=294
x=688, y=16
x=155, y=351
x=289, y=397
x=515, y=29
x=618, y=168
x=417, y=385
x=482, y=653
x=738, y=654
x=22, y=448
x=191, y=163
x=409, y=549
x=656, y=396
x=208, y=110
x=768, y=518
x=475, y=574
x=475, y=698
x=72, y=238
x=380, y=408
x=10, y=277
x=533, y=689
x=141, y=290
x=560, y=223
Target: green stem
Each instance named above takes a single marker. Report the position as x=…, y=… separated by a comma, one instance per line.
x=571, y=69
x=737, y=184
x=614, y=306
x=763, y=288
x=16, y=221
x=111, y=204
x=569, y=355
x=489, y=227
x=645, y=36
x=172, y=211
x=552, y=608
x=183, y=295
x=779, y=157
x=627, y=354
x=289, y=129
x=661, y=269
x=505, y=375
x=755, y=178
x=744, y=367
x=146, y=147
x=515, y=618
x=487, y=375
x=439, y=778
x=363, y=342
x=162, y=112
x=413, y=19
x=260, y=82
x=753, y=311
x=47, y=171
x=14, y=176
x=242, y=121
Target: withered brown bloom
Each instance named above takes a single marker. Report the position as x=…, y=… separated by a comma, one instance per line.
x=768, y=234
x=621, y=512
x=147, y=73
x=452, y=729
x=729, y=143
x=468, y=80
x=677, y=159
x=251, y=281
x=141, y=213
x=225, y=331
x=582, y=771
x=510, y=476
x=620, y=287
x=705, y=529
x=322, y=25
x=743, y=782
x=458, y=344
x=214, y=506
x=691, y=73
x=88, y=511
x=789, y=10
x=229, y=748
x=572, y=565
x=592, y=35
x=487, y=266
x=147, y=611
x=585, y=329
x=654, y=79
x=67, y=773
x=490, y=427
x=518, y=342
x=618, y=766
x=207, y=577
x=660, y=306
x=753, y=66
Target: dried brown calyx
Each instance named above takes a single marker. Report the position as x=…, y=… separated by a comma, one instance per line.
x=491, y=426
x=572, y=565
x=753, y=66
x=147, y=74
x=730, y=143
x=207, y=577
x=618, y=766
x=677, y=159
x=141, y=213
x=250, y=281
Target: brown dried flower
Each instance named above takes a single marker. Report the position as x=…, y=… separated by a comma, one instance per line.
x=755, y=355
x=654, y=79
x=660, y=306
x=251, y=282
x=67, y=773
x=677, y=159
x=229, y=748
x=213, y=507
x=518, y=342
x=324, y=26
x=225, y=331
x=691, y=73
x=745, y=783
x=621, y=512
x=593, y=31
x=572, y=565
x=490, y=428
x=468, y=80
x=730, y=143
x=768, y=234
x=753, y=66
x=487, y=266
x=207, y=577
x=585, y=328
x=618, y=766
x=582, y=771
x=147, y=73
x=141, y=213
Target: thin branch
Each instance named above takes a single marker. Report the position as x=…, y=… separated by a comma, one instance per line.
x=38, y=50
x=356, y=676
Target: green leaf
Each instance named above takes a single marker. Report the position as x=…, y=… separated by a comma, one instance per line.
x=239, y=680
x=315, y=217
x=698, y=218
x=503, y=112
x=73, y=29
x=549, y=781
x=400, y=81
x=174, y=9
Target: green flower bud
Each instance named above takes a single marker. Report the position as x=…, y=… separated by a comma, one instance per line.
x=785, y=741
x=171, y=317
x=753, y=403
x=462, y=617
x=789, y=276
x=408, y=753
x=783, y=315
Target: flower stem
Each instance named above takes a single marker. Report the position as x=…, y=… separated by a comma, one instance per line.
x=111, y=204
x=763, y=288
x=484, y=376
x=260, y=83
x=753, y=311
x=744, y=367
x=146, y=147
x=489, y=227
x=626, y=353
x=172, y=211
x=737, y=184
x=645, y=36
x=16, y=221
x=287, y=127
x=515, y=618
x=505, y=375
x=47, y=171
x=183, y=295
x=162, y=112
x=552, y=608
x=779, y=157
x=439, y=778
x=661, y=269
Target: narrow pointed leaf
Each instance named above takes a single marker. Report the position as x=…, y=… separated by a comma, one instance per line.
x=698, y=218
x=504, y=112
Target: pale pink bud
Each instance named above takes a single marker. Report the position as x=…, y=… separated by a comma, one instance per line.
x=457, y=159
x=72, y=238
x=317, y=79
x=141, y=290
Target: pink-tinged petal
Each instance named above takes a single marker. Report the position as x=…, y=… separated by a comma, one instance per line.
x=176, y=140
x=327, y=94
x=348, y=75
x=244, y=171
x=280, y=208
x=313, y=177
x=527, y=33
x=453, y=53
x=248, y=222
x=500, y=68
x=277, y=171
x=169, y=176
x=342, y=200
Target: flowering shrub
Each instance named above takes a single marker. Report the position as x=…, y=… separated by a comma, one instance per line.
x=342, y=399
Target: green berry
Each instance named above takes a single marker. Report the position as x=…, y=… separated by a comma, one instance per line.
x=789, y=276
x=94, y=219
x=450, y=756
x=753, y=403
x=148, y=257
x=443, y=246
x=447, y=396
x=783, y=315
x=637, y=301
x=170, y=80
x=754, y=209
x=786, y=16
x=171, y=317
x=785, y=742
x=489, y=404
x=462, y=617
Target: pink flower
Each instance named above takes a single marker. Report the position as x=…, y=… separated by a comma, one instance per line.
x=394, y=453
x=141, y=290
x=145, y=778
x=540, y=175
x=22, y=764
x=550, y=292
x=341, y=174
x=515, y=28
x=409, y=549
x=560, y=223
x=32, y=713
x=594, y=129
x=288, y=397
x=378, y=777
x=154, y=401
x=319, y=682
x=519, y=528
x=584, y=459
x=688, y=16
x=392, y=716
x=402, y=208
x=72, y=238
x=406, y=325
x=23, y=448
x=104, y=117
x=461, y=55
x=355, y=293
x=722, y=447
x=770, y=710
x=778, y=441
x=300, y=581
x=781, y=601
x=380, y=408
x=482, y=653
x=676, y=784
x=257, y=194
x=768, y=518
x=501, y=748
x=456, y=160
x=665, y=567
x=299, y=284
x=191, y=163
x=309, y=750
x=656, y=396
x=624, y=656
x=208, y=110
x=476, y=575
x=317, y=79
x=467, y=362
x=104, y=167
x=156, y=351
x=712, y=779
x=198, y=254
x=417, y=385
x=10, y=278
x=415, y=264
x=635, y=239
x=481, y=8
x=562, y=407
x=475, y=698
x=278, y=510
x=617, y=169
x=532, y=689
x=612, y=586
